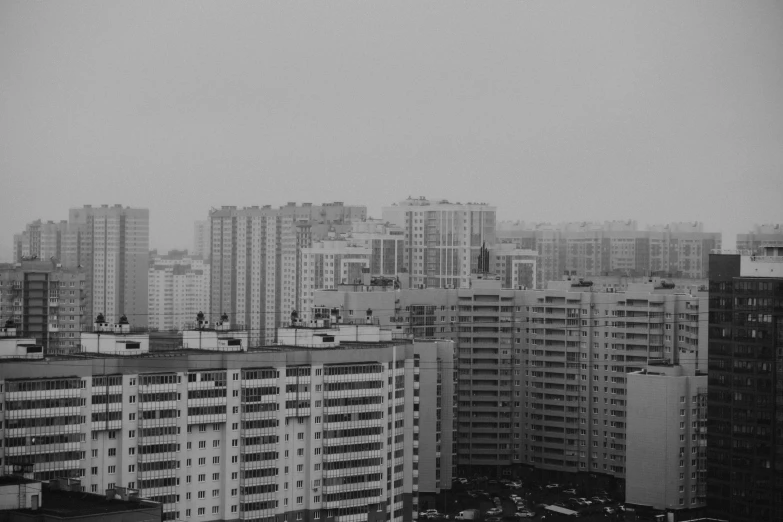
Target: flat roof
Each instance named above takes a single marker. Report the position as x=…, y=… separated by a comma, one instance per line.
x=8, y=480
x=74, y=504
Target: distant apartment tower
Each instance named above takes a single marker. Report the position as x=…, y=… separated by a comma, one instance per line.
x=41, y=241
x=760, y=236
x=256, y=260
x=614, y=248
x=178, y=290
x=201, y=240
x=45, y=302
x=442, y=239
x=112, y=245
x=745, y=422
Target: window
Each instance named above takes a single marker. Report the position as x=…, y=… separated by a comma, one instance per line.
x=215, y=460
x=215, y=510
x=132, y=468
x=131, y=416
x=300, y=452
x=202, y=477
x=234, y=508
x=188, y=462
x=216, y=443
x=201, y=511
x=132, y=434
x=234, y=492
x=94, y=453
x=300, y=467
x=202, y=444
x=202, y=494
x=187, y=495
x=215, y=493
x=216, y=476
x=202, y=461
x=300, y=484
x=112, y=469
x=112, y=452
x=300, y=500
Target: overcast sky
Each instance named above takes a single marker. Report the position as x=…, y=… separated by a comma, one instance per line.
x=552, y=111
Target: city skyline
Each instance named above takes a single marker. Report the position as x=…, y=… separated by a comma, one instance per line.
x=186, y=240
x=569, y=112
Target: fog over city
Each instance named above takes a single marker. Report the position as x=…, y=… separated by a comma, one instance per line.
x=566, y=111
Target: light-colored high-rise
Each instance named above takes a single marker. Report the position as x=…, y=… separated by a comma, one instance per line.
x=178, y=290
x=201, y=239
x=542, y=374
x=353, y=432
x=256, y=261
x=587, y=249
x=112, y=245
x=760, y=236
x=442, y=239
x=41, y=241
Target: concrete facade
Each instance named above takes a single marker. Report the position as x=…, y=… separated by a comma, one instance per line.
x=308, y=434
x=46, y=302
x=667, y=439
x=442, y=239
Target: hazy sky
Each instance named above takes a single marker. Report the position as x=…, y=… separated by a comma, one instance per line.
x=553, y=111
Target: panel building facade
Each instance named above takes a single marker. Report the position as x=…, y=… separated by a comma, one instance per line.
x=256, y=260
x=745, y=413
x=585, y=249
x=45, y=302
x=442, y=239
x=543, y=374
x=270, y=435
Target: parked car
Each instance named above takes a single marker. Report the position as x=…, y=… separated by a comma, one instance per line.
x=598, y=500
x=586, y=502
x=524, y=514
x=609, y=510
x=571, y=491
x=495, y=511
x=430, y=513
x=552, y=486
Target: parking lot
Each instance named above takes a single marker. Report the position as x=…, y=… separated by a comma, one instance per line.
x=479, y=493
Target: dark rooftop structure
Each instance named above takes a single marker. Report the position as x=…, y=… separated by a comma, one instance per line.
x=63, y=504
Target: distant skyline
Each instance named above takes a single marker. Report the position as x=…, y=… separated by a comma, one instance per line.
x=557, y=111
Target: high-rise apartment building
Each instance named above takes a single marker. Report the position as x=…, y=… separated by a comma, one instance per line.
x=442, y=239
x=112, y=245
x=41, y=241
x=201, y=239
x=178, y=290
x=614, y=248
x=256, y=260
x=45, y=301
x=266, y=435
x=543, y=374
x=759, y=237
x=745, y=412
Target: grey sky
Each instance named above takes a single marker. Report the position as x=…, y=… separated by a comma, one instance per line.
x=657, y=111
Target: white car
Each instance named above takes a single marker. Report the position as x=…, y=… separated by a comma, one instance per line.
x=524, y=514
x=494, y=511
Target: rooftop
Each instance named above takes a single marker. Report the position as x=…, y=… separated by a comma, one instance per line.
x=71, y=504
x=8, y=480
